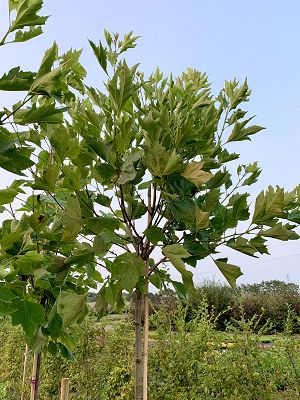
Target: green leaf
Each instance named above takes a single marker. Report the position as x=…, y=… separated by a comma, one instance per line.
x=201, y=218
x=129, y=42
x=274, y=202
x=30, y=316
x=236, y=115
x=65, y=352
x=127, y=268
x=13, y=5
x=16, y=160
x=103, y=200
x=101, y=302
x=111, y=292
x=240, y=209
x=201, y=102
x=98, y=225
x=71, y=219
x=154, y=234
x=48, y=84
x=62, y=141
x=81, y=257
x=162, y=162
x=6, y=295
x=7, y=195
x=194, y=173
x=193, y=246
x=180, y=288
x=259, y=243
x=219, y=179
x=37, y=221
x=27, y=263
x=101, y=54
x=16, y=80
x=236, y=94
x=231, y=272
x=105, y=174
x=71, y=307
x=242, y=245
x=280, y=232
x=260, y=208
x=240, y=133
x=121, y=86
x=48, y=179
x=268, y=205
x=44, y=114
x=176, y=253
x=183, y=210
x=255, y=171
x=7, y=309
x=48, y=60
x=56, y=264
x=128, y=170
x=27, y=14
x=55, y=324
x=23, y=36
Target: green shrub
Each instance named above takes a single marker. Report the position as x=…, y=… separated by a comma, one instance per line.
x=220, y=299
x=11, y=359
x=188, y=359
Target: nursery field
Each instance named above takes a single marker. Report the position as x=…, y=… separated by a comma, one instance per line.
x=188, y=359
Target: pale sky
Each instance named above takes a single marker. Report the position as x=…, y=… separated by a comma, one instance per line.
x=226, y=39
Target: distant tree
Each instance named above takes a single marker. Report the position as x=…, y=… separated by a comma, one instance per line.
x=273, y=286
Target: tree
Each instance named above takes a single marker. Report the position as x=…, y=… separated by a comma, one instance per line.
x=134, y=178
x=37, y=288
x=154, y=155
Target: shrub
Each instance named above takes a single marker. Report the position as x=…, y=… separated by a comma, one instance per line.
x=188, y=359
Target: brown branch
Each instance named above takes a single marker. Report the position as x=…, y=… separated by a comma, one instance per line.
x=153, y=268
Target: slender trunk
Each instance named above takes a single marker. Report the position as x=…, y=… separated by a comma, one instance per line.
x=146, y=306
x=146, y=342
x=138, y=346
x=25, y=364
x=35, y=376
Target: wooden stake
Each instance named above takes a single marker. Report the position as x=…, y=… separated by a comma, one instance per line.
x=138, y=346
x=146, y=343
x=64, y=394
x=35, y=376
x=25, y=364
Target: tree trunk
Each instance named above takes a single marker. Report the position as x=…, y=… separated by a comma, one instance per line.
x=138, y=346
x=35, y=376
x=151, y=209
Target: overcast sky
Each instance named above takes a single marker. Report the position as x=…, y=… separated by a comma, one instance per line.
x=226, y=39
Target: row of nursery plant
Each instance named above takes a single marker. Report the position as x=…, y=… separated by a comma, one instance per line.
x=191, y=361
x=272, y=300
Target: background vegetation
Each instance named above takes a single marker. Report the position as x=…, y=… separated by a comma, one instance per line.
x=189, y=355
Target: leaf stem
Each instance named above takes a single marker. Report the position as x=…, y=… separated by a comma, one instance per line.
x=26, y=100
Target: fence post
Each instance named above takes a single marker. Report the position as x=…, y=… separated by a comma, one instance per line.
x=64, y=394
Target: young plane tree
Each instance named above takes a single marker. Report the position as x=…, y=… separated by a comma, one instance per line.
x=152, y=186
x=37, y=287
x=133, y=180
